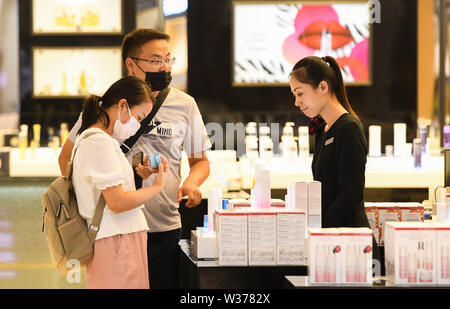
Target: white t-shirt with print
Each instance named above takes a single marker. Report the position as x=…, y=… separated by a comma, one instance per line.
x=177, y=126
x=99, y=163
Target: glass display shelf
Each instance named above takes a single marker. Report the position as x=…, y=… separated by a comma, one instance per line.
x=74, y=72
x=77, y=17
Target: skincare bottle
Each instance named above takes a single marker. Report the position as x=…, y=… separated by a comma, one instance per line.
x=303, y=144
x=441, y=204
x=374, y=141
x=37, y=134
x=265, y=144
x=402, y=262
x=251, y=141
x=420, y=256
x=412, y=267
x=288, y=145
x=350, y=270
x=64, y=132
x=331, y=265
x=444, y=262
x=362, y=265
x=417, y=153
x=429, y=256
x=320, y=263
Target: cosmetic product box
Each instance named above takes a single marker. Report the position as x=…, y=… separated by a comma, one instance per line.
x=231, y=237
x=203, y=244
x=356, y=256
x=262, y=236
x=372, y=216
x=387, y=212
x=314, y=204
x=410, y=253
x=324, y=256
x=291, y=237
x=442, y=252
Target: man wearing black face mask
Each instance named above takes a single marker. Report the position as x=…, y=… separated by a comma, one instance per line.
x=177, y=124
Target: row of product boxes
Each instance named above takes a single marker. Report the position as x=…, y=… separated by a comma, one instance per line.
x=380, y=213
x=417, y=253
x=260, y=237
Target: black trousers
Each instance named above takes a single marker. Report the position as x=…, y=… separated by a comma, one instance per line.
x=163, y=259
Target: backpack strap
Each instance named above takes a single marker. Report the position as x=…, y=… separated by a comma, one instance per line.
x=95, y=224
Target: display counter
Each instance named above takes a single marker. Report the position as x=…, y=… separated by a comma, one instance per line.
x=301, y=282
x=209, y=275
x=228, y=172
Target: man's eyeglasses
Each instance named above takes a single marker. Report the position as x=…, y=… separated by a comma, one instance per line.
x=157, y=63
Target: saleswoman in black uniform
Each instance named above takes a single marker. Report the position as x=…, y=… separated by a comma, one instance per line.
x=340, y=152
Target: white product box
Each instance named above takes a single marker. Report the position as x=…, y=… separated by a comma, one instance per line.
x=231, y=237
x=356, y=256
x=300, y=196
x=324, y=256
x=387, y=212
x=290, y=237
x=203, y=244
x=372, y=216
x=442, y=252
x=411, y=212
x=314, y=204
x=262, y=237
x=410, y=253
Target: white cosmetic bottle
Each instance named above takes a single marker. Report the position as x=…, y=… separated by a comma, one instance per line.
x=350, y=269
x=412, y=267
x=320, y=270
x=444, y=262
x=402, y=262
x=331, y=265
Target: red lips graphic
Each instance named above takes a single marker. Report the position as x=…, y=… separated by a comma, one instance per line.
x=368, y=249
x=312, y=35
x=337, y=249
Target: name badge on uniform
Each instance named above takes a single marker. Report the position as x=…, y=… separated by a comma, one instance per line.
x=162, y=129
x=329, y=141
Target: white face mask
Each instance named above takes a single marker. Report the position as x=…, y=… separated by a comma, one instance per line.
x=123, y=131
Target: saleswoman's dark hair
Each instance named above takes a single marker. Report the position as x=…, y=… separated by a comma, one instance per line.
x=312, y=70
x=130, y=88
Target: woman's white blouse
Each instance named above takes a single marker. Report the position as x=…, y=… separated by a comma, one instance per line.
x=99, y=163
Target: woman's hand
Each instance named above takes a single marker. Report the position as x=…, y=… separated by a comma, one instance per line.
x=163, y=172
x=144, y=170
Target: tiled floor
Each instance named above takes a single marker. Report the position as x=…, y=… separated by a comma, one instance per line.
x=24, y=259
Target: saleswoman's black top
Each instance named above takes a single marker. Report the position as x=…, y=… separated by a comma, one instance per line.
x=339, y=163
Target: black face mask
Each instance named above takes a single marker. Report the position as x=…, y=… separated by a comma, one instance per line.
x=158, y=80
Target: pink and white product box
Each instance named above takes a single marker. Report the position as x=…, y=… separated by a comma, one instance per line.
x=314, y=204
x=443, y=257
x=412, y=250
x=340, y=256
x=231, y=237
x=290, y=237
x=324, y=256
x=262, y=237
x=356, y=255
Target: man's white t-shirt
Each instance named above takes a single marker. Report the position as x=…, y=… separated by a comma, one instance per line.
x=177, y=126
x=99, y=163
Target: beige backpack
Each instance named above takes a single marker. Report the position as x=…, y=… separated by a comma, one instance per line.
x=67, y=233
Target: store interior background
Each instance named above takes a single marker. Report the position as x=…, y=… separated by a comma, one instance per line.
x=405, y=71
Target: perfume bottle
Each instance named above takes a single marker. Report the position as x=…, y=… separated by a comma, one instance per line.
x=23, y=140
x=37, y=134
x=64, y=132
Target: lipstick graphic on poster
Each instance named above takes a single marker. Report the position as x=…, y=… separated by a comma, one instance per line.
x=270, y=38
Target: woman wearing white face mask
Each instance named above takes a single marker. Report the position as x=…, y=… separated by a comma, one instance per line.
x=101, y=168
